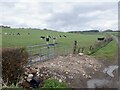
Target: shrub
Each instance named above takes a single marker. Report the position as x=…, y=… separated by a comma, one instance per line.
x=13, y=60
x=52, y=83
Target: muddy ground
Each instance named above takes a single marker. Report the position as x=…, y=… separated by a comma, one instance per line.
x=76, y=70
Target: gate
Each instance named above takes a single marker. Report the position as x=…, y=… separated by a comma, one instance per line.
x=38, y=53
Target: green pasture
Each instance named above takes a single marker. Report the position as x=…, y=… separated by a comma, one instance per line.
x=114, y=33
x=83, y=39
x=109, y=52
x=24, y=39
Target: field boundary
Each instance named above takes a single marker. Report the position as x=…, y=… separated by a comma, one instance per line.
x=43, y=52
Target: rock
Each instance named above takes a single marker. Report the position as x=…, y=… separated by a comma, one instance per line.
x=29, y=78
x=81, y=54
x=89, y=77
x=93, y=72
x=78, y=62
x=70, y=76
x=60, y=80
x=84, y=74
x=33, y=71
x=66, y=72
x=96, y=69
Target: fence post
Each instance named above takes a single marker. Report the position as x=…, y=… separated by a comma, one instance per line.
x=82, y=49
x=48, y=51
x=40, y=54
x=79, y=50
x=75, y=47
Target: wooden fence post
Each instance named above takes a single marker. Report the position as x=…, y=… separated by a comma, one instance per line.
x=79, y=50
x=82, y=49
x=75, y=47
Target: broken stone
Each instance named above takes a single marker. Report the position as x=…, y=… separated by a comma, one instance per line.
x=93, y=72
x=29, y=78
x=81, y=54
x=33, y=71
x=60, y=80
x=89, y=77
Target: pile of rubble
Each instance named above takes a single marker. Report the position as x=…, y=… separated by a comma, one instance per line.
x=31, y=78
x=75, y=70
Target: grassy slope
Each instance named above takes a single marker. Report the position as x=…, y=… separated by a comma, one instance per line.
x=24, y=39
x=108, y=52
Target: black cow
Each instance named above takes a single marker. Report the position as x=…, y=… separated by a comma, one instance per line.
x=60, y=36
x=54, y=38
x=18, y=33
x=42, y=37
x=64, y=36
x=47, y=39
x=49, y=36
x=100, y=38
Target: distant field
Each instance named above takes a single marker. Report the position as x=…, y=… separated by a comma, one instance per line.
x=34, y=38
x=115, y=33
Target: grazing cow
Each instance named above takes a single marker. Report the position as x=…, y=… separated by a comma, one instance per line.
x=60, y=36
x=18, y=33
x=47, y=39
x=42, y=37
x=64, y=36
x=28, y=33
x=49, y=36
x=54, y=38
x=100, y=38
x=6, y=33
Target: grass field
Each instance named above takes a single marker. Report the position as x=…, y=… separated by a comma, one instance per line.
x=34, y=38
x=109, y=52
x=84, y=40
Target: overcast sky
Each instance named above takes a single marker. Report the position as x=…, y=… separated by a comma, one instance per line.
x=60, y=16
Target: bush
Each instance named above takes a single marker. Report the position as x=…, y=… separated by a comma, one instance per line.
x=52, y=83
x=13, y=60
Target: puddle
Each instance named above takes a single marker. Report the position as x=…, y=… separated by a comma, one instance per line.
x=110, y=70
x=101, y=83
x=98, y=83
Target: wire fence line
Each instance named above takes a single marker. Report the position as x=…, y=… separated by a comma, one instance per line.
x=43, y=52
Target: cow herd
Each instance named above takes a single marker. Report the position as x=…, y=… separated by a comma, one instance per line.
x=48, y=37
x=14, y=33
x=52, y=37
x=43, y=37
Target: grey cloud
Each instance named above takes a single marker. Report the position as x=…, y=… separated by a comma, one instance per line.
x=60, y=21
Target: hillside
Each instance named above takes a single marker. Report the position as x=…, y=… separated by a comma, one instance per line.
x=34, y=38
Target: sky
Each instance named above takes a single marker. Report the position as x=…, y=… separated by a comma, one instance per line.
x=60, y=15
